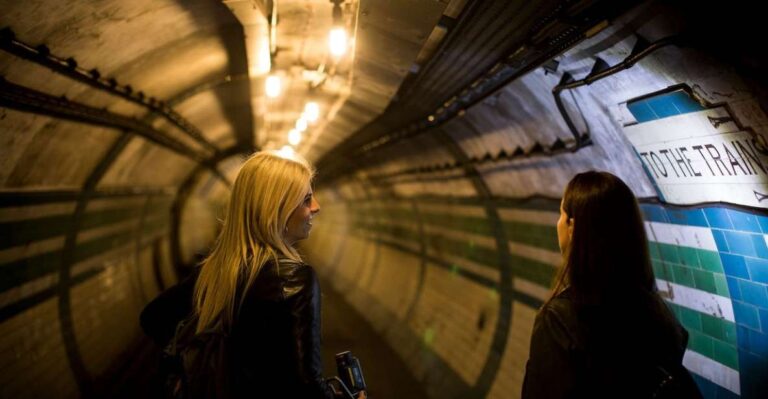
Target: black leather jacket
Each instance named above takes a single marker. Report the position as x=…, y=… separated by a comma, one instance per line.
x=276, y=335
x=607, y=351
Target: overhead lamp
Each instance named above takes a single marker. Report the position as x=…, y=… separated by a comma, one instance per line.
x=337, y=41
x=311, y=111
x=286, y=152
x=301, y=125
x=294, y=137
x=272, y=86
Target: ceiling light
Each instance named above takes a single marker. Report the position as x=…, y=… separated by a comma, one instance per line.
x=294, y=137
x=286, y=152
x=337, y=41
x=301, y=125
x=272, y=86
x=312, y=111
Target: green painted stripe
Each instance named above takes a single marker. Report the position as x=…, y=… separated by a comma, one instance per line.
x=536, y=235
x=526, y=268
x=35, y=299
x=21, y=271
x=25, y=231
x=534, y=271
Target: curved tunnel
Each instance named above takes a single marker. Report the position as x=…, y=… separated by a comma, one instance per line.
x=446, y=136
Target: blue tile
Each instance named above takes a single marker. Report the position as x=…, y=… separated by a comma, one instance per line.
x=744, y=221
x=752, y=372
x=758, y=241
x=733, y=288
x=763, y=315
x=734, y=265
x=763, y=220
x=641, y=111
x=708, y=388
x=691, y=217
x=758, y=269
x=743, y=336
x=723, y=393
x=754, y=293
x=746, y=315
x=758, y=343
x=722, y=245
x=718, y=217
x=684, y=103
x=662, y=106
x=740, y=243
x=654, y=213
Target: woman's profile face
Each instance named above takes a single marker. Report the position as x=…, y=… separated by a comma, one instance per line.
x=300, y=221
x=564, y=230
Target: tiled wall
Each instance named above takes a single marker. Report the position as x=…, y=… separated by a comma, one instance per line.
x=713, y=264
x=426, y=272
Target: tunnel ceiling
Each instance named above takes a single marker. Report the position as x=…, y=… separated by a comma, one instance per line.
x=195, y=90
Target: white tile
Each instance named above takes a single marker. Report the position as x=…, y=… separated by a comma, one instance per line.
x=687, y=236
x=718, y=373
x=698, y=300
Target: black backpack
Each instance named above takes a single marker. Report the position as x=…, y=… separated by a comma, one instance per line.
x=197, y=365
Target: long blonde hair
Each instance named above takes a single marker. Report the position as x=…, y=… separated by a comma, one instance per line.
x=268, y=188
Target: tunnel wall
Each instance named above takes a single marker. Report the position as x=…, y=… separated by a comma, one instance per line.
x=445, y=241
x=120, y=260
x=112, y=127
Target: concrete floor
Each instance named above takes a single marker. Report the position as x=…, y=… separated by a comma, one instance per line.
x=386, y=375
x=343, y=329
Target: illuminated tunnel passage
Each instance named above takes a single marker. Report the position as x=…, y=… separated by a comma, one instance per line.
x=443, y=133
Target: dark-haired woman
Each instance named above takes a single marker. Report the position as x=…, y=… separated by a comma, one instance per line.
x=605, y=331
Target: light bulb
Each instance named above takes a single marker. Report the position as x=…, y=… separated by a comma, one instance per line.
x=337, y=41
x=294, y=137
x=272, y=86
x=312, y=111
x=286, y=152
x=301, y=125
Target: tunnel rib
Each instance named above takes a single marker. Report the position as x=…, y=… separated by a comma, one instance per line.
x=553, y=34
x=68, y=67
x=25, y=99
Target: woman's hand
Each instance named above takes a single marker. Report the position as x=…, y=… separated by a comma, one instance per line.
x=362, y=395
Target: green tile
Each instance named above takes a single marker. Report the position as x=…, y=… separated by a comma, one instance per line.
x=688, y=256
x=700, y=343
x=666, y=273
x=726, y=354
x=669, y=253
x=710, y=260
x=690, y=319
x=712, y=326
x=729, y=330
x=658, y=267
x=653, y=248
x=673, y=308
x=704, y=280
x=683, y=275
x=721, y=285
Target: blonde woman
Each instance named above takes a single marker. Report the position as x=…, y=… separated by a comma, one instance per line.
x=255, y=287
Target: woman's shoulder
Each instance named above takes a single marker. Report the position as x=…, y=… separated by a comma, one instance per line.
x=558, y=318
x=285, y=277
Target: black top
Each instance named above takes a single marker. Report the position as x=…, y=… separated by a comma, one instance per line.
x=606, y=351
x=275, y=337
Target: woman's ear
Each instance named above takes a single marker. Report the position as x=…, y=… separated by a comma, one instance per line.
x=571, y=223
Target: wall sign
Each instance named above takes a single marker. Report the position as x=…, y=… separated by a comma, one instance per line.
x=696, y=154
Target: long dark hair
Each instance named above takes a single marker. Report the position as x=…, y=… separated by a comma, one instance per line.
x=607, y=259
